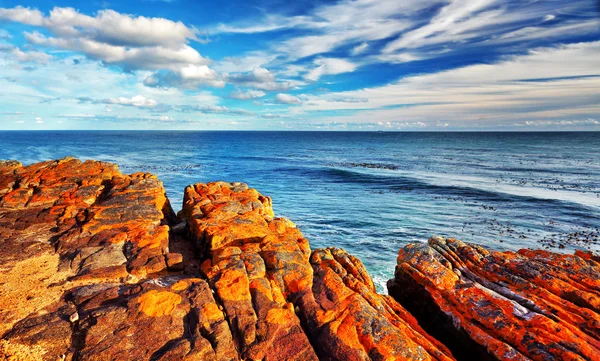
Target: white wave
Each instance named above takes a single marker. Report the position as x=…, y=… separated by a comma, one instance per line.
x=490, y=185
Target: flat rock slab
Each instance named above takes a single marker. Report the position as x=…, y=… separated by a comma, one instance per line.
x=167, y=318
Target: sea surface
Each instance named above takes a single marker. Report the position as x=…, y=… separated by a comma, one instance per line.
x=372, y=193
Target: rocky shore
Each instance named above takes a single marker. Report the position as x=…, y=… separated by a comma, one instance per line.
x=95, y=265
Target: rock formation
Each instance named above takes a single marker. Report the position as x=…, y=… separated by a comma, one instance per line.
x=502, y=305
x=96, y=266
x=281, y=302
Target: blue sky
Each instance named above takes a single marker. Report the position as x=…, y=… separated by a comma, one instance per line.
x=302, y=65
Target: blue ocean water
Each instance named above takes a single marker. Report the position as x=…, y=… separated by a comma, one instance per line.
x=372, y=193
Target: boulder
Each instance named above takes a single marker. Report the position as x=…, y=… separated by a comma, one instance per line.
x=67, y=223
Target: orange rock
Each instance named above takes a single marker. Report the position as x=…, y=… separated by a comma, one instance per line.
x=158, y=303
x=88, y=274
x=502, y=305
x=260, y=269
x=147, y=321
x=75, y=208
x=84, y=219
x=254, y=267
x=352, y=322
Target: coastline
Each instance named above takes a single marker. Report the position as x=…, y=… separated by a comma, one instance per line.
x=225, y=279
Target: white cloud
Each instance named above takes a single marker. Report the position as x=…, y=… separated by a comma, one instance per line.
x=189, y=76
x=136, y=101
x=165, y=118
x=248, y=95
x=31, y=56
x=76, y=85
x=108, y=26
x=359, y=49
x=213, y=109
x=259, y=78
x=462, y=22
x=133, y=43
x=270, y=116
x=565, y=123
x=257, y=75
x=537, y=32
x=131, y=58
x=38, y=120
x=287, y=99
x=490, y=95
x=326, y=66
x=269, y=23
x=346, y=22
x=245, y=63
x=22, y=15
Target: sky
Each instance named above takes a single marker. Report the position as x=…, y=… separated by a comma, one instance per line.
x=403, y=65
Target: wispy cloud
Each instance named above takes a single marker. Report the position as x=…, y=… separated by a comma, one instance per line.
x=329, y=66
x=287, y=99
x=189, y=76
x=136, y=101
x=516, y=88
x=248, y=95
x=258, y=78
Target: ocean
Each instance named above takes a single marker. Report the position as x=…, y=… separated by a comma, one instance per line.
x=371, y=193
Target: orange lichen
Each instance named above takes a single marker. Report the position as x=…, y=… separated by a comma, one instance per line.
x=158, y=303
x=211, y=312
x=233, y=286
x=179, y=285
x=280, y=316
x=160, y=238
x=526, y=305
x=118, y=238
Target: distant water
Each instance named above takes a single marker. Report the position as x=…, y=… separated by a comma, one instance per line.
x=372, y=193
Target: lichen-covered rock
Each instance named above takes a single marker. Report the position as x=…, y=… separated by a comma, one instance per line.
x=502, y=305
x=262, y=271
x=168, y=318
x=256, y=264
x=352, y=322
x=88, y=212
x=91, y=269
x=65, y=223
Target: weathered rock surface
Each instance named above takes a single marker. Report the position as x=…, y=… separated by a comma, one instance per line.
x=502, y=305
x=263, y=273
x=64, y=221
x=167, y=318
x=94, y=265
x=349, y=321
x=255, y=264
